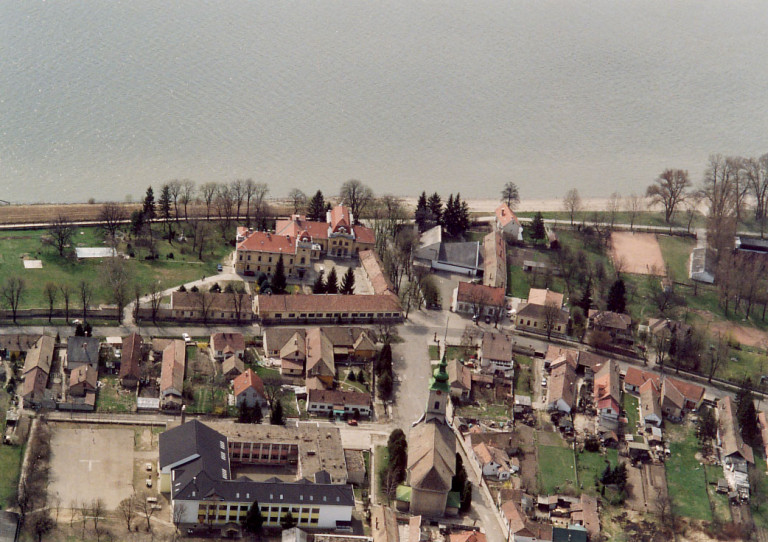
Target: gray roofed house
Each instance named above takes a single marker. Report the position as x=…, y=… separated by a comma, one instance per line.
x=701, y=265
x=82, y=351
x=461, y=257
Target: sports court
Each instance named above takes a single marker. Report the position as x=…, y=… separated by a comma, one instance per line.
x=637, y=253
x=91, y=462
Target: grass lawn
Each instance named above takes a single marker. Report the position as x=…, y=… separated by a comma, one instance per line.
x=208, y=400
x=676, y=251
x=267, y=372
x=486, y=411
x=111, y=398
x=556, y=469
x=289, y=403
x=591, y=465
x=630, y=403
x=686, y=479
x=434, y=352
x=759, y=498
x=61, y=270
x=642, y=219
x=10, y=459
x=381, y=463
x=719, y=501
x=458, y=352
x=517, y=282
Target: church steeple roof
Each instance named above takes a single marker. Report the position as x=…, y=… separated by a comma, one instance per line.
x=439, y=379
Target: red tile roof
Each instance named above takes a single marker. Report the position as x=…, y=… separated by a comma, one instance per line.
x=221, y=340
x=340, y=217
x=691, y=392
x=505, y=215
x=338, y=397
x=375, y=271
x=636, y=377
x=327, y=303
x=299, y=223
x=268, y=242
x=131, y=356
x=174, y=362
x=248, y=379
x=479, y=293
x=364, y=234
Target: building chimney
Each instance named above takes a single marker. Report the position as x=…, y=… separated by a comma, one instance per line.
x=183, y=413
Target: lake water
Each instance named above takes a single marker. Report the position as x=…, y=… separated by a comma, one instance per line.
x=100, y=99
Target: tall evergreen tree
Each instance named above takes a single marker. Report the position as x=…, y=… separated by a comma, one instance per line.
x=316, y=207
x=448, y=215
x=348, y=282
x=164, y=206
x=538, y=231
x=149, y=205
x=254, y=521
x=617, y=297
x=318, y=287
x=586, y=299
x=279, y=282
x=421, y=214
x=277, y=417
x=747, y=413
x=435, y=206
x=288, y=521
x=332, y=282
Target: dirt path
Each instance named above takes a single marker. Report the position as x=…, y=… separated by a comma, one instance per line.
x=748, y=336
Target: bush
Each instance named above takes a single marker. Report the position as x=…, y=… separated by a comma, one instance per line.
x=170, y=255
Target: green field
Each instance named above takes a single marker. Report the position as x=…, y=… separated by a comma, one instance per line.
x=10, y=460
x=719, y=502
x=591, y=465
x=759, y=498
x=686, y=481
x=643, y=219
x=630, y=403
x=556, y=469
x=112, y=398
x=676, y=251
x=62, y=270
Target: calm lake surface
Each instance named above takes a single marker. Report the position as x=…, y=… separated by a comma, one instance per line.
x=101, y=99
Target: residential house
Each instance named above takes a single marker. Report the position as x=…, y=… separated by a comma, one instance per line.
x=650, y=403
x=634, y=378
x=494, y=462
x=172, y=375
x=17, y=345
x=503, y=440
x=615, y=325
x=351, y=344
x=692, y=394
x=131, y=358
x=557, y=354
x=259, y=252
x=82, y=351
x=520, y=528
x=478, y=300
x=384, y=524
x=205, y=494
x=211, y=307
x=507, y=222
x=339, y=404
x=467, y=536
x=543, y=313
x=223, y=345
x=736, y=455
x=562, y=388
x=664, y=327
x=672, y=400
x=83, y=380
x=460, y=380
x=232, y=367
x=496, y=354
x=320, y=360
x=374, y=270
x=37, y=367
x=495, y=261
x=433, y=252
x=328, y=308
x=431, y=461
x=249, y=389
x=570, y=533
x=607, y=394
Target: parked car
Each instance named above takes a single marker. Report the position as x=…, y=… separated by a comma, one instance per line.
x=544, y=382
x=219, y=268
x=352, y=422
x=487, y=319
x=149, y=482
x=186, y=337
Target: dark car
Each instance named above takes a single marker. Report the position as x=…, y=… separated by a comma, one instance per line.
x=219, y=268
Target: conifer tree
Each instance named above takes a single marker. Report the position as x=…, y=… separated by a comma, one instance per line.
x=279, y=282
x=332, y=282
x=617, y=297
x=348, y=282
x=316, y=207
x=318, y=287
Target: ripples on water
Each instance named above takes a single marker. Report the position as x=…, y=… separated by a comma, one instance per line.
x=100, y=99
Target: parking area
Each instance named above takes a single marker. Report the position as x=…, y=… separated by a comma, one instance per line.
x=91, y=462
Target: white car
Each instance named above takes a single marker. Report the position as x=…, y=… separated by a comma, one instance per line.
x=544, y=382
x=186, y=337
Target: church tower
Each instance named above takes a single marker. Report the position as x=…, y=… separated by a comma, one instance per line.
x=439, y=394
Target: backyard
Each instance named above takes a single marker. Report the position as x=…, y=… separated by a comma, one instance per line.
x=686, y=479
x=10, y=460
x=112, y=398
x=15, y=246
x=630, y=404
x=556, y=469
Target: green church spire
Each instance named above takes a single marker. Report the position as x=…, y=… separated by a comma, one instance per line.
x=439, y=379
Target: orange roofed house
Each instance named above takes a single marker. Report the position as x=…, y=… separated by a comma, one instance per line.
x=507, y=222
x=328, y=308
x=249, y=389
x=300, y=241
x=478, y=299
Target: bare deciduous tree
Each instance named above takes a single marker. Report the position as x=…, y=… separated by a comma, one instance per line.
x=634, y=205
x=208, y=193
x=298, y=199
x=258, y=202
x=204, y=302
x=722, y=188
x=612, y=208
x=668, y=190
x=127, y=510
x=357, y=196
x=85, y=291
x=96, y=510
x=146, y=509
x=62, y=231
x=51, y=293
x=186, y=195
x=225, y=208
x=572, y=203
x=12, y=292
x=116, y=277
x=237, y=190
x=66, y=294
x=155, y=298
x=510, y=194
x=179, y=510
x=112, y=216
x=552, y=314
x=756, y=175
